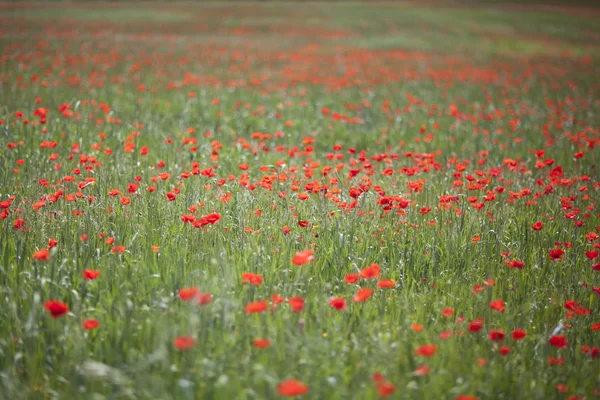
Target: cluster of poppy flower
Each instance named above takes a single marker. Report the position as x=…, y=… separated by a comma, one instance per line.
x=400, y=205
x=517, y=158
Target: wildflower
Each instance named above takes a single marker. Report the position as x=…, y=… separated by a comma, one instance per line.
x=362, y=295
x=297, y=303
x=447, y=312
x=516, y=264
x=426, y=350
x=188, y=294
x=291, y=388
x=251, y=278
x=558, y=342
x=338, y=303
x=386, y=284
x=556, y=254
x=537, y=226
x=261, y=343
x=497, y=305
x=203, y=298
x=476, y=325
x=118, y=249
x=591, y=255
x=90, y=324
x=56, y=308
x=385, y=389
x=42, y=255
x=213, y=218
x=90, y=274
x=445, y=335
x=277, y=299
x=303, y=257
x=518, y=334
x=184, y=342
x=422, y=370
x=370, y=272
x=256, y=307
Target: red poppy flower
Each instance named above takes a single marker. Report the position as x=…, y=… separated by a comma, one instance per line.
x=188, y=294
x=591, y=255
x=497, y=305
x=592, y=236
x=570, y=305
x=338, y=303
x=422, y=370
x=204, y=298
x=516, y=264
x=261, y=343
x=476, y=325
x=303, y=257
x=90, y=274
x=518, y=334
x=558, y=342
x=426, y=350
x=90, y=324
x=556, y=254
x=370, y=272
x=496, y=335
x=52, y=243
x=562, y=388
x=42, y=255
x=276, y=299
x=385, y=389
x=256, y=307
x=56, y=308
x=291, y=388
x=425, y=210
x=504, y=350
x=446, y=334
x=297, y=303
x=386, y=284
x=212, y=218
x=537, y=226
x=118, y=249
x=447, y=312
x=351, y=278
x=556, y=361
x=251, y=278
x=362, y=295
x=184, y=342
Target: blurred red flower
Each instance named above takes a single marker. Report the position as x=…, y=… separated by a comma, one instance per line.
x=291, y=388
x=56, y=308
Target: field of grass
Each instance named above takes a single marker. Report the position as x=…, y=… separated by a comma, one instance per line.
x=329, y=201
